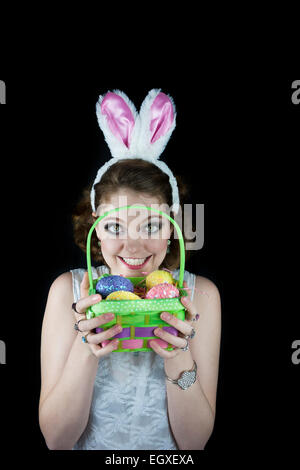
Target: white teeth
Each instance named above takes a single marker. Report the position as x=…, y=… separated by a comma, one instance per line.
x=134, y=262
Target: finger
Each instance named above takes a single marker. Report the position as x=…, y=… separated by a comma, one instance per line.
x=97, y=338
x=176, y=341
x=85, y=285
x=103, y=351
x=87, y=325
x=180, y=325
x=80, y=317
x=189, y=306
x=86, y=302
x=162, y=352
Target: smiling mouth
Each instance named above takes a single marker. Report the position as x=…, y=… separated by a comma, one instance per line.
x=135, y=263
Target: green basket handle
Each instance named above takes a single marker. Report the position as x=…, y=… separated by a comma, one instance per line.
x=181, y=240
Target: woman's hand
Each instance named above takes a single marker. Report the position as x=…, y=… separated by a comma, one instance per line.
x=184, y=328
x=86, y=326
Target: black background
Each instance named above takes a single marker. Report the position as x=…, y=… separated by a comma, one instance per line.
x=237, y=143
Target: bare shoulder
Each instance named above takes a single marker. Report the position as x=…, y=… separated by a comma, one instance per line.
x=206, y=291
x=59, y=303
x=207, y=300
x=62, y=284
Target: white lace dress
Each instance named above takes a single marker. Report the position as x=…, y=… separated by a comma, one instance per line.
x=129, y=405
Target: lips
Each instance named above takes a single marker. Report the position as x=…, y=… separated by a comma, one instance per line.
x=135, y=266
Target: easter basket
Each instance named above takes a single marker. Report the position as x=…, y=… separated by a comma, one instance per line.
x=138, y=318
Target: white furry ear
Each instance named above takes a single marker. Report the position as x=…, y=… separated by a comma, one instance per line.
x=157, y=121
x=117, y=118
x=132, y=135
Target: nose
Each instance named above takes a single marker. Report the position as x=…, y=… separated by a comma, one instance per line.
x=131, y=245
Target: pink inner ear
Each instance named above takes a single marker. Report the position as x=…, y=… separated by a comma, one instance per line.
x=162, y=116
x=119, y=117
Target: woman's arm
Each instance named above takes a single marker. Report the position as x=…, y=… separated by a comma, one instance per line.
x=69, y=366
x=64, y=413
x=68, y=371
x=192, y=411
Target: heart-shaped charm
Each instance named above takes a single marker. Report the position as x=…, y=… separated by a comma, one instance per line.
x=186, y=379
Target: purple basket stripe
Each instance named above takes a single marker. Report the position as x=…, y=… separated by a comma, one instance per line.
x=142, y=331
x=171, y=330
x=125, y=333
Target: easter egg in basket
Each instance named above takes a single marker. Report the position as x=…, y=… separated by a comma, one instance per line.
x=163, y=291
x=122, y=295
x=159, y=277
x=108, y=284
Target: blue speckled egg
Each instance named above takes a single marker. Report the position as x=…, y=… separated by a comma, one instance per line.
x=107, y=285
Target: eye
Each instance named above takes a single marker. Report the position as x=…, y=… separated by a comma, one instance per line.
x=154, y=227
x=113, y=228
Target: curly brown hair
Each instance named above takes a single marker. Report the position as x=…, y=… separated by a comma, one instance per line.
x=140, y=176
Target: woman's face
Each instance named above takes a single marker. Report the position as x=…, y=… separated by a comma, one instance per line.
x=133, y=241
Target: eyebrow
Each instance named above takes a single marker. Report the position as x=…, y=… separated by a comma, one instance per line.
x=121, y=220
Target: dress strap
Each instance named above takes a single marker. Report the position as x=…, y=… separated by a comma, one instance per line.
x=190, y=279
x=77, y=276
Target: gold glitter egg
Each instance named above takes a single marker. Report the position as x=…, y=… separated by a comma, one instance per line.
x=122, y=295
x=159, y=277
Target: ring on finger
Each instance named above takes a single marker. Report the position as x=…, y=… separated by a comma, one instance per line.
x=191, y=336
x=76, y=326
x=84, y=337
x=186, y=347
x=74, y=307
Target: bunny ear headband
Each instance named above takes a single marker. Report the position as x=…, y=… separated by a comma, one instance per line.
x=130, y=134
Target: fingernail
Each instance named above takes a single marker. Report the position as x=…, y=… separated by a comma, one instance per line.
x=109, y=316
x=165, y=316
x=96, y=297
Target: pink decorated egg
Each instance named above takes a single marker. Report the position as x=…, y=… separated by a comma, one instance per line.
x=163, y=291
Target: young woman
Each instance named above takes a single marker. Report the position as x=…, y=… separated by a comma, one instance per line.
x=94, y=398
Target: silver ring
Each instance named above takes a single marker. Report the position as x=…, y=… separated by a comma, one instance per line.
x=76, y=327
x=186, y=347
x=191, y=336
